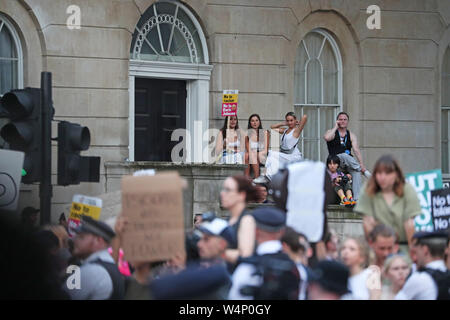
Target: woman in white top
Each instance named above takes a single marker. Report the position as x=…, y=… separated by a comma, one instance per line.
x=228, y=144
x=256, y=145
x=396, y=270
x=355, y=255
x=288, y=148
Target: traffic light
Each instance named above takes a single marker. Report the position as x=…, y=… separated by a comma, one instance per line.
x=73, y=168
x=24, y=130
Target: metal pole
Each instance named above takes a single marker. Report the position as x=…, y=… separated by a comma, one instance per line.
x=45, y=190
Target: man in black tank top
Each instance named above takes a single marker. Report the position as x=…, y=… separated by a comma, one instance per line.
x=340, y=142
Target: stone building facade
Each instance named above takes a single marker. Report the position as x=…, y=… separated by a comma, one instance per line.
x=308, y=56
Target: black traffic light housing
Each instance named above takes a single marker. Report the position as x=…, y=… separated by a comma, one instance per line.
x=73, y=168
x=24, y=131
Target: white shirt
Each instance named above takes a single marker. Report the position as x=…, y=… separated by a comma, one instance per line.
x=244, y=273
x=420, y=285
x=95, y=284
x=303, y=281
x=358, y=287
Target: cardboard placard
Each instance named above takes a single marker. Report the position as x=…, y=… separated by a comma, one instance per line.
x=153, y=206
x=440, y=209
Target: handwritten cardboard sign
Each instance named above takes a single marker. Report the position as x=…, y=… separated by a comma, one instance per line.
x=153, y=206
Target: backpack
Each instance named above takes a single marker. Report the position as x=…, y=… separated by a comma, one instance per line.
x=279, y=274
x=442, y=280
x=118, y=280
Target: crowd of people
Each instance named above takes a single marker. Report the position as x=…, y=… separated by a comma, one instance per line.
x=254, y=254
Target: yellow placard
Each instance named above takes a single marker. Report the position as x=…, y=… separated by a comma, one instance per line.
x=230, y=98
x=80, y=209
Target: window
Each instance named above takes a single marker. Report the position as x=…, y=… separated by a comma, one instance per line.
x=10, y=62
x=168, y=44
x=317, y=91
x=165, y=32
x=445, y=112
x=10, y=57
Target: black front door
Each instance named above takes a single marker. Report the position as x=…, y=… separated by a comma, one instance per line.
x=160, y=108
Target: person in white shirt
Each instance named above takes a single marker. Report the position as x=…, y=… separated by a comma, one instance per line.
x=355, y=254
x=429, y=248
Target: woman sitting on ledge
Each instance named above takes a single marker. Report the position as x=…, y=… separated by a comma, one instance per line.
x=256, y=145
x=288, y=148
x=229, y=148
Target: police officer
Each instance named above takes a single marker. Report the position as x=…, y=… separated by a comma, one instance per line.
x=252, y=276
x=430, y=249
x=100, y=278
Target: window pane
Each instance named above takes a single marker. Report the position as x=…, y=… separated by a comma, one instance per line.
x=444, y=140
x=7, y=46
x=446, y=79
x=310, y=150
x=314, y=82
x=327, y=121
x=179, y=48
x=445, y=160
x=313, y=42
x=310, y=130
x=299, y=74
x=8, y=75
x=330, y=74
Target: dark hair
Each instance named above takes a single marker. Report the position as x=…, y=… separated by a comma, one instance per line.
x=290, y=113
x=335, y=159
x=246, y=185
x=388, y=164
x=250, y=118
x=436, y=246
x=343, y=113
x=382, y=230
x=291, y=238
x=224, y=128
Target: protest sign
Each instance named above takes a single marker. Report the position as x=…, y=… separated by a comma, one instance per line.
x=83, y=206
x=229, y=102
x=153, y=207
x=440, y=209
x=424, y=182
x=10, y=176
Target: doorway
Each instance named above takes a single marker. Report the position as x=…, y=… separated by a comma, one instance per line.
x=160, y=108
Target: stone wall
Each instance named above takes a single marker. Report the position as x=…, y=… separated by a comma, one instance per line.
x=391, y=83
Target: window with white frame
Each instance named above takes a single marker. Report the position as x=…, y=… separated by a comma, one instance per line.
x=445, y=111
x=10, y=57
x=11, y=68
x=165, y=32
x=318, y=90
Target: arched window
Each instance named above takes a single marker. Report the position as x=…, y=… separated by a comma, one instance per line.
x=167, y=32
x=11, y=61
x=318, y=90
x=445, y=110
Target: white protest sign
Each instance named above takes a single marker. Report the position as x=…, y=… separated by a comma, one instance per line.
x=11, y=165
